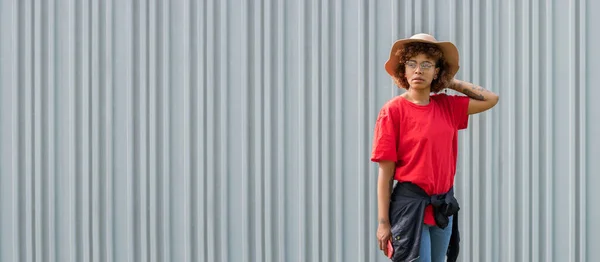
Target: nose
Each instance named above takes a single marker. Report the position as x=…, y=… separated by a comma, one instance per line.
x=418, y=70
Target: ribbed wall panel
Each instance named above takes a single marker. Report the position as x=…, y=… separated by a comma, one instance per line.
x=151, y=130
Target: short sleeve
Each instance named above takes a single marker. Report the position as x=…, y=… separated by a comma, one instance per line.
x=384, y=138
x=460, y=111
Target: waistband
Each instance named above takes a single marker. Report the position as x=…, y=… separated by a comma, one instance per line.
x=410, y=190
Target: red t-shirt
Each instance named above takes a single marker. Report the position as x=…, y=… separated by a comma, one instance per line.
x=422, y=140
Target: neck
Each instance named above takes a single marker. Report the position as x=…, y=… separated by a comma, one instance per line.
x=418, y=96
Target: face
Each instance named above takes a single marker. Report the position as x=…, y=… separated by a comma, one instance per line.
x=420, y=71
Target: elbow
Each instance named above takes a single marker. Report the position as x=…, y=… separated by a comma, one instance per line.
x=494, y=100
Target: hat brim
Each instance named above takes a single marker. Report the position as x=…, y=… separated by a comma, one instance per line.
x=448, y=49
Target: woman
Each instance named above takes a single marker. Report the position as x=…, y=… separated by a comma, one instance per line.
x=415, y=143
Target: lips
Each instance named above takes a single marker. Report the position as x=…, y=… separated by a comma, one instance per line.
x=418, y=79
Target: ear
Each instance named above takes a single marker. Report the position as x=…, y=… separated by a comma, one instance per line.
x=437, y=71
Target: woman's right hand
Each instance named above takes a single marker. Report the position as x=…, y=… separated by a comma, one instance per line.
x=384, y=233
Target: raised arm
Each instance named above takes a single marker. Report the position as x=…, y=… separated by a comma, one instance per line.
x=481, y=98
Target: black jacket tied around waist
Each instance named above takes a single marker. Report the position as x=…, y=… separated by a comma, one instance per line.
x=407, y=211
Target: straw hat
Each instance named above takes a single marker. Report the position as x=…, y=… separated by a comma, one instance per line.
x=448, y=49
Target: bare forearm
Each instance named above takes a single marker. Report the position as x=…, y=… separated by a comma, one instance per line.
x=384, y=190
x=473, y=91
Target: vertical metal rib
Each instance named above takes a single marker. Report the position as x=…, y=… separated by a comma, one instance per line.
x=549, y=110
x=95, y=69
x=38, y=149
x=489, y=141
x=536, y=74
x=326, y=105
x=339, y=105
x=269, y=136
x=224, y=128
x=282, y=135
x=572, y=131
x=153, y=138
x=315, y=138
x=582, y=134
x=257, y=65
x=525, y=170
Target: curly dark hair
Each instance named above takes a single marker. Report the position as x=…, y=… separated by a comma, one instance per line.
x=431, y=51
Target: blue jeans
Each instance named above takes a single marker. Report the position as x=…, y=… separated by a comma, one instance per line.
x=434, y=243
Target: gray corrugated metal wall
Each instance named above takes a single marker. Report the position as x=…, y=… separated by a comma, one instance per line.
x=241, y=130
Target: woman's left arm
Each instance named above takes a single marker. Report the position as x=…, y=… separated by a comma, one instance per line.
x=481, y=98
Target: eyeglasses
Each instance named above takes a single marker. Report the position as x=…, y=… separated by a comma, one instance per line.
x=424, y=65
